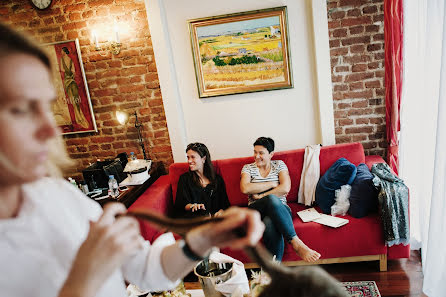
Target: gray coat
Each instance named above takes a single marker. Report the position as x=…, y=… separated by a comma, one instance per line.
x=394, y=204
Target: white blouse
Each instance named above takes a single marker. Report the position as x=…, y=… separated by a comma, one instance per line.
x=38, y=246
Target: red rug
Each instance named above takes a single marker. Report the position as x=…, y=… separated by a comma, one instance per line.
x=362, y=289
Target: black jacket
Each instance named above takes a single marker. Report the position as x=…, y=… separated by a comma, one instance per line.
x=213, y=196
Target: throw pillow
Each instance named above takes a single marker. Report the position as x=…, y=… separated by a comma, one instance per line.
x=364, y=195
x=342, y=172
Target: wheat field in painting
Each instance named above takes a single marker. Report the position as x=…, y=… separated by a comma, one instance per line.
x=247, y=55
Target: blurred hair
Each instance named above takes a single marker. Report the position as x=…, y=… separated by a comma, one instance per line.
x=306, y=281
x=266, y=142
x=208, y=168
x=58, y=157
x=13, y=42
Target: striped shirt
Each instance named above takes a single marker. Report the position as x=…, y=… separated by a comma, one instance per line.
x=276, y=167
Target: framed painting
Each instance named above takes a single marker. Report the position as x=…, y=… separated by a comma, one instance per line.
x=241, y=52
x=72, y=108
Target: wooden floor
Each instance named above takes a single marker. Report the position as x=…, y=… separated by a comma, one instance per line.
x=403, y=277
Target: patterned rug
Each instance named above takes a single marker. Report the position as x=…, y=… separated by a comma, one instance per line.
x=362, y=289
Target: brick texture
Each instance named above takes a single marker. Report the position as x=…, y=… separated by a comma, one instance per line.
x=356, y=32
x=127, y=81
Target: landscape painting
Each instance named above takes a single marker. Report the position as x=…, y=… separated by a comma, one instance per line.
x=243, y=52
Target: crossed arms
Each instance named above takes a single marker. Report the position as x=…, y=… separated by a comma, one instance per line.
x=262, y=189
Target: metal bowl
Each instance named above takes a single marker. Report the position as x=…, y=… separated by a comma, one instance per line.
x=210, y=274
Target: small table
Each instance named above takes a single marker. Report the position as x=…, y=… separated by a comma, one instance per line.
x=129, y=197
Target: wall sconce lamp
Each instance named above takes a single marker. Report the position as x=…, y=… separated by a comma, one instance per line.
x=115, y=46
x=123, y=118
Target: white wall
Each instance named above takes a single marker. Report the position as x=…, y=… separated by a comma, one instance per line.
x=228, y=125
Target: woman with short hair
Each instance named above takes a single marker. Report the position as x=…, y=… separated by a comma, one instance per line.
x=267, y=183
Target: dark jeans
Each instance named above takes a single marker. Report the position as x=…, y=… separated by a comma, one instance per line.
x=278, y=222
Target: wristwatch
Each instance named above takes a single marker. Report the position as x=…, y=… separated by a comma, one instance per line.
x=188, y=252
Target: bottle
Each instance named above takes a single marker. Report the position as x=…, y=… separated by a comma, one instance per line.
x=93, y=184
x=132, y=156
x=113, y=191
x=84, y=187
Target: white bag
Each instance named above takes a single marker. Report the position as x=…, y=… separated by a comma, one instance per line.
x=342, y=203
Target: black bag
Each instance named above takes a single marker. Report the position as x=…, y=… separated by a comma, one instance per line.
x=116, y=169
x=96, y=175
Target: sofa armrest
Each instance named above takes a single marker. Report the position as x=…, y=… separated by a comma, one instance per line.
x=370, y=160
x=158, y=198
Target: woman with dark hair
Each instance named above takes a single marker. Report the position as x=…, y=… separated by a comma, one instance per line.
x=200, y=190
x=267, y=183
x=55, y=241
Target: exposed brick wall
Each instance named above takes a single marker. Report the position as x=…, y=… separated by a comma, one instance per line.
x=128, y=81
x=356, y=29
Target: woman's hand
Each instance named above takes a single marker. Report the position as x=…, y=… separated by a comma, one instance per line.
x=222, y=234
x=196, y=206
x=109, y=243
x=257, y=196
x=219, y=213
x=274, y=185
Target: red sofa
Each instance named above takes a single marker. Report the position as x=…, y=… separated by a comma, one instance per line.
x=360, y=240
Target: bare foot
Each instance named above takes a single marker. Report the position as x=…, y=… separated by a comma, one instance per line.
x=304, y=251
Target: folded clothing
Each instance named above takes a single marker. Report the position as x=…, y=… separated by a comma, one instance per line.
x=342, y=172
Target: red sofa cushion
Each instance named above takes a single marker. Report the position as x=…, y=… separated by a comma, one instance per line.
x=230, y=170
x=359, y=237
x=157, y=198
x=294, y=160
x=353, y=152
x=175, y=171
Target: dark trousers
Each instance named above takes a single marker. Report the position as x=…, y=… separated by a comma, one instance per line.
x=278, y=222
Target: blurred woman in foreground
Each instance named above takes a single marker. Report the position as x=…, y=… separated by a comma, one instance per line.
x=54, y=240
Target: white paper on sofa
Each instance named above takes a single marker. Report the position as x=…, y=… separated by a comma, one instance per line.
x=331, y=221
x=312, y=215
x=308, y=215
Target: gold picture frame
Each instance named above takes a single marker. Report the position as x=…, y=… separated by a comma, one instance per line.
x=241, y=52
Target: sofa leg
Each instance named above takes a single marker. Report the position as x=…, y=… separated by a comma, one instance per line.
x=383, y=262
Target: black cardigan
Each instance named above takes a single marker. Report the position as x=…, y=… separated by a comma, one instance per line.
x=213, y=196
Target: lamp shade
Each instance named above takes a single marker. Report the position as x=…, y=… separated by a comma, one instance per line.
x=122, y=117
